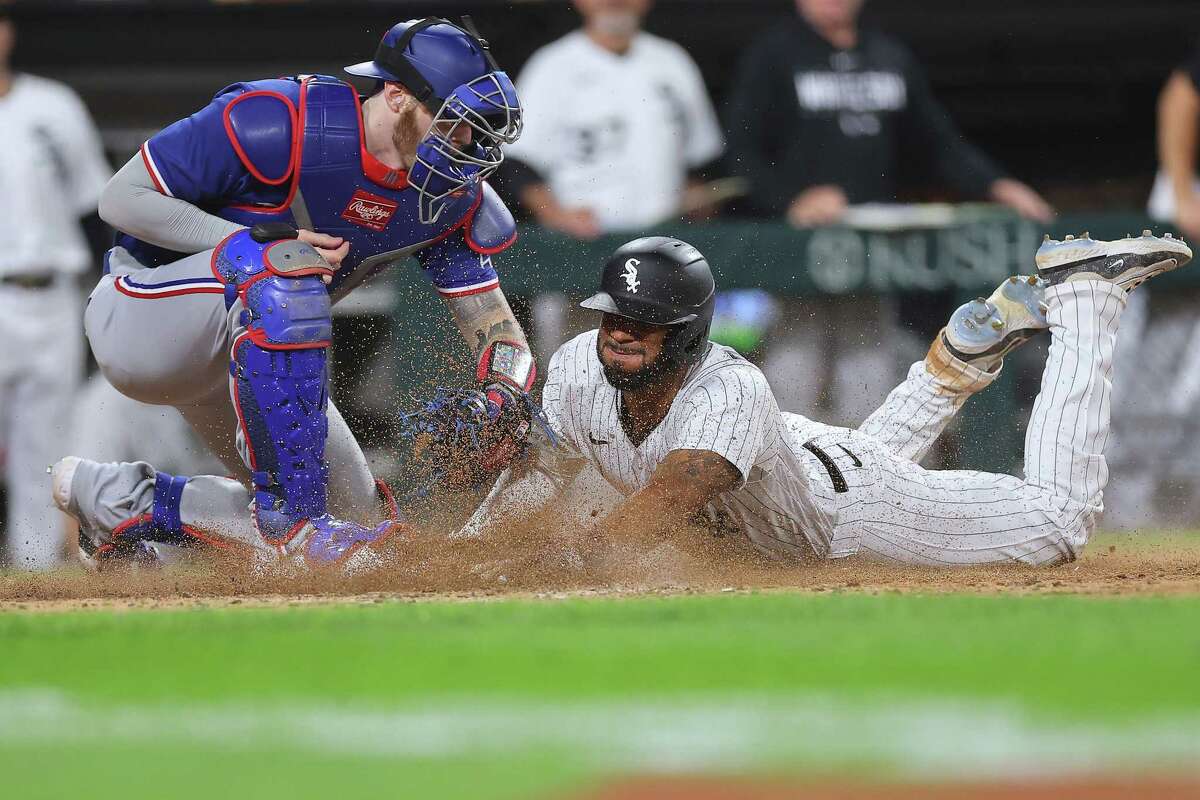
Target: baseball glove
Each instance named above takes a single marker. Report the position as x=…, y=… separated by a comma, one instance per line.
x=469, y=436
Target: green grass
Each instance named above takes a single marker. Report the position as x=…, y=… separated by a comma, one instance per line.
x=1056, y=660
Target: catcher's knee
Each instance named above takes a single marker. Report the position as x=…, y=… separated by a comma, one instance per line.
x=279, y=281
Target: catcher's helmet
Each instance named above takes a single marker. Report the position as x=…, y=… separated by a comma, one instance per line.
x=430, y=57
x=660, y=281
x=450, y=70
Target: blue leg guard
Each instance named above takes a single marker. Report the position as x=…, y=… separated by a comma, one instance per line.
x=280, y=384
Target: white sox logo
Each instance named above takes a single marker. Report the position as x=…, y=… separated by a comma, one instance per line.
x=369, y=210
x=630, y=275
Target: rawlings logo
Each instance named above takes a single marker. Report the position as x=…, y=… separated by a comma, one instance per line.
x=630, y=275
x=369, y=210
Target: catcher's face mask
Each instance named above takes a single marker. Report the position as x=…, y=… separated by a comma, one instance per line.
x=447, y=163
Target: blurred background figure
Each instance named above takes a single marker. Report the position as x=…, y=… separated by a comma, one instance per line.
x=825, y=114
x=1155, y=453
x=619, y=134
x=52, y=169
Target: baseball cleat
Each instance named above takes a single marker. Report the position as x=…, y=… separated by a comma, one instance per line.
x=62, y=475
x=1127, y=262
x=984, y=330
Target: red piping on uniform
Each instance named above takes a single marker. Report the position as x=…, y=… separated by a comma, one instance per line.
x=150, y=169
x=237, y=146
x=297, y=154
x=120, y=287
x=487, y=287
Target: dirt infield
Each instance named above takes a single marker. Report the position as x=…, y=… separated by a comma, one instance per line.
x=747, y=789
x=524, y=564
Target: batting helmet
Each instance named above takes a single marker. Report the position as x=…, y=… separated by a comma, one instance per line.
x=660, y=281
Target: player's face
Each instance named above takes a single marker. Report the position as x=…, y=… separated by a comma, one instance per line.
x=631, y=352
x=615, y=16
x=830, y=12
x=413, y=125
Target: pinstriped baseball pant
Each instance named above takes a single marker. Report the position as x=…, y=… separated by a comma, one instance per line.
x=900, y=511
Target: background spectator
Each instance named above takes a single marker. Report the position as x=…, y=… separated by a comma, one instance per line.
x=618, y=131
x=52, y=169
x=825, y=114
x=1155, y=453
x=616, y=119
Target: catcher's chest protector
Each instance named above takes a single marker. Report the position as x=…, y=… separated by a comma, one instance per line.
x=328, y=188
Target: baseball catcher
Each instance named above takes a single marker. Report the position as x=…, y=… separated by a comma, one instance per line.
x=240, y=227
x=686, y=429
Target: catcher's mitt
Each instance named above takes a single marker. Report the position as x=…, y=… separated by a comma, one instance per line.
x=469, y=436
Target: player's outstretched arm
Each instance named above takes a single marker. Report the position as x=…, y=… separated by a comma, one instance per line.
x=683, y=484
x=484, y=319
x=527, y=487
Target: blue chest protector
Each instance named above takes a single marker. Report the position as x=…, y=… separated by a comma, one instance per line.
x=291, y=150
x=329, y=191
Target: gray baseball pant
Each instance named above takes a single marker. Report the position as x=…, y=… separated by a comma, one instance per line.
x=162, y=336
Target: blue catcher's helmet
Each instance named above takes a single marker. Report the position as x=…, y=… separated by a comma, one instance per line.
x=450, y=70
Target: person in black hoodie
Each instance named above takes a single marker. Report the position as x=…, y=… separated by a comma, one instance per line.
x=825, y=114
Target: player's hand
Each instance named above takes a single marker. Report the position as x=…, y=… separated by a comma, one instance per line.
x=1187, y=216
x=331, y=248
x=579, y=223
x=1023, y=200
x=817, y=205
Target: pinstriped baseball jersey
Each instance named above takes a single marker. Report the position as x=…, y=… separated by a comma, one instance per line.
x=724, y=406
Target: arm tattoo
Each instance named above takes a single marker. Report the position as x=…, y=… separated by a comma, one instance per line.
x=709, y=473
x=485, y=318
x=682, y=486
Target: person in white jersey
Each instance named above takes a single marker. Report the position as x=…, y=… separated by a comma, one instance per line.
x=620, y=135
x=688, y=430
x=52, y=169
x=616, y=118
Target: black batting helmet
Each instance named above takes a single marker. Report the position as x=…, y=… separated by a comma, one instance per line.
x=660, y=281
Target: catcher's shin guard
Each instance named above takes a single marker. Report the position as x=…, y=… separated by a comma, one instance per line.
x=280, y=387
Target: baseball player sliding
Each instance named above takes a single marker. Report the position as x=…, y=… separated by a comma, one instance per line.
x=687, y=430
x=214, y=303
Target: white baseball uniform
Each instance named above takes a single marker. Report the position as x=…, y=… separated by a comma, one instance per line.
x=616, y=133
x=810, y=489
x=52, y=170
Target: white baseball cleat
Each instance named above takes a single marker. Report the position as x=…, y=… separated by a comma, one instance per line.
x=984, y=330
x=62, y=474
x=1127, y=262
